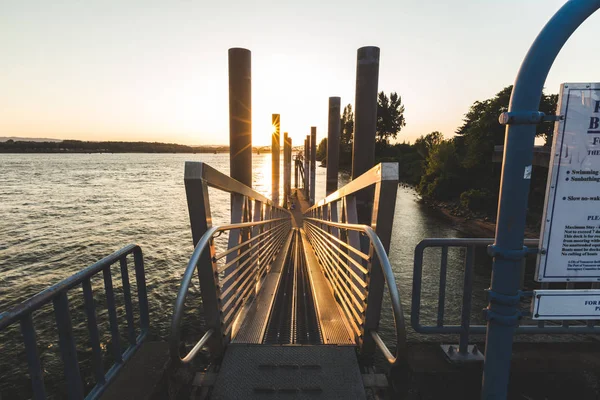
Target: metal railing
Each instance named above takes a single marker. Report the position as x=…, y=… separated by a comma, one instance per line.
x=233, y=276
x=465, y=328
x=57, y=294
x=354, y=258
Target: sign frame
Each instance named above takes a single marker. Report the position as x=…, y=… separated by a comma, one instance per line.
x=549, y=301
x=550, y=252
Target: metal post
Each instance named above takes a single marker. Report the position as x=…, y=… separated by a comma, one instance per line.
x=201, y=220
x=287, y=168
x=240, y=116
x=313, y=163
x=384, y=207
x=365, y=124
x=502, y=313
x=306, y=166
x=333, y=145
x=295, y=170
x=275, y=152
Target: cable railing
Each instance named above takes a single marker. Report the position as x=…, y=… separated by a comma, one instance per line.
x=58, y=296
x=351, y=242
x=230, y=278
x=466, y=328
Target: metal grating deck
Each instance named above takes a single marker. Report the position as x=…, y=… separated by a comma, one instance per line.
x=289, y=372
x=255, y=321
x=334, y=328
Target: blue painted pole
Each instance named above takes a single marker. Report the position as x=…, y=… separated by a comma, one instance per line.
x=502, y=313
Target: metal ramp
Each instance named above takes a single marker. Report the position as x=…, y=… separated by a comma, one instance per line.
x=288, y=308
x=289, y=372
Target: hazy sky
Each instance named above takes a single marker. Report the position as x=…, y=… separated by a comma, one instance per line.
x=157, y=70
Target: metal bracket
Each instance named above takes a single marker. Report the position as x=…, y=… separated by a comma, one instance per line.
x=455, y=356
x=527, y=118
x=502, y=319
x=504, y=299
x=496, y=251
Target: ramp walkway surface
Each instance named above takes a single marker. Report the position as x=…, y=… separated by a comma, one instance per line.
x=289, y=372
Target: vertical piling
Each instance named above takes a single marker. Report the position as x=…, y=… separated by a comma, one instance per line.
x=333, y=145
x=365, y=124
x=275, y=152
x=313, y=162
x=363, y=159
x=295, y=169
x=306, y=166
x=240, y=115
x=287, y=165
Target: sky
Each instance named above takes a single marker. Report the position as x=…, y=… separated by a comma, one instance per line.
x=157, y=70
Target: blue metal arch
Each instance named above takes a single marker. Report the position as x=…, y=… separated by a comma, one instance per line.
x=514, y=187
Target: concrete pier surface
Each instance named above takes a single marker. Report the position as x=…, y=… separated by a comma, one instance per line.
x=539, y=371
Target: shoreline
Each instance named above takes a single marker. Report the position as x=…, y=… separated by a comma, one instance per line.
x=474, y=226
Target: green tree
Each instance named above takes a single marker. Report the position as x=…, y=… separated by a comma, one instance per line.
x=443, y=177
x=390, y=116
x=346, y=136
x=425, y=144
x=322, y=150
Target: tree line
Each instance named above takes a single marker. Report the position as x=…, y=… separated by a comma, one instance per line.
x=457, y=172
x=79, y=146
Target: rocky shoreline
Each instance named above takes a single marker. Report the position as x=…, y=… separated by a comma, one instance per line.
x=472, y=224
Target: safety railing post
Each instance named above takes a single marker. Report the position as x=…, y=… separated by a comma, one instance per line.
x=465, y=317
x=257, y=230
x=201, y=220
x=384, y=204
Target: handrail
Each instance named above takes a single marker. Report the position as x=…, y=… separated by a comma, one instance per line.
x=465, y=329
x=218, y=180
x=202, y=245
x=381, y=172
x=57, y=294
x=391, y=285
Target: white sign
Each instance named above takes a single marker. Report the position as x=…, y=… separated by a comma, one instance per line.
x=566, y=304
x=570, y=237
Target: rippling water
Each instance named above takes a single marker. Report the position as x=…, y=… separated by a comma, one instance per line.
x=60, y=213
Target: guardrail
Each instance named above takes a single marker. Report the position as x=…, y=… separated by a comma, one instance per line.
x=57, y=294
x=465, y=328
x=229, y=278
x=353, y=255
x=349, y=286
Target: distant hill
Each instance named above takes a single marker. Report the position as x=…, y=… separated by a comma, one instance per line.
x=24, y=139
x=78, y=146
x=27, y=145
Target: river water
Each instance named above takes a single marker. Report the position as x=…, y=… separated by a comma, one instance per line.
x=60, y=213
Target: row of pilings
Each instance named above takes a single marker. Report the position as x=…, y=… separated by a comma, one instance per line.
x=365, y=124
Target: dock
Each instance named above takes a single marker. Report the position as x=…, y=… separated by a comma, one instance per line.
x=294, y=289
